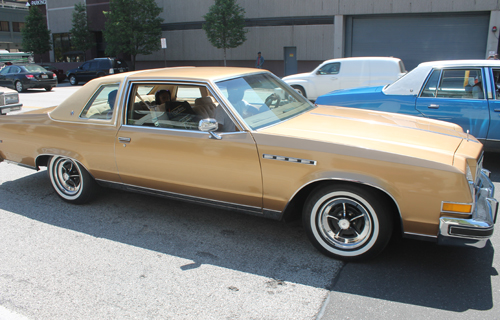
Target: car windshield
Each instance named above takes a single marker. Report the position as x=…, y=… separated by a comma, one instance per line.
x=35, y=68
x=275, y=101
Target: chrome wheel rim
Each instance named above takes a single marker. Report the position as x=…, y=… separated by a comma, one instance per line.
x=19, y=86
x=345, y=223
x=72, y=80
x=67, y=176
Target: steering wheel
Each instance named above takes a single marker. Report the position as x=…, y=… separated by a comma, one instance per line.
x=273, y=98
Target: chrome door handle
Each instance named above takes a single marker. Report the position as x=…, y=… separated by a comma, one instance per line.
x=433, y=106
x=123, y=139
x=497, y=110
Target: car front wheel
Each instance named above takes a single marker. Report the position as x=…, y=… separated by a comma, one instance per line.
x=72, y=80
x=347, y=222
x=48, y=88
x=70, y=180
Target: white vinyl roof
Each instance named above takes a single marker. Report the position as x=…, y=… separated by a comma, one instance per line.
x=411, y=83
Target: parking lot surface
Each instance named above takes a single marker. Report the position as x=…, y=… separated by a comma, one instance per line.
x=128, y=256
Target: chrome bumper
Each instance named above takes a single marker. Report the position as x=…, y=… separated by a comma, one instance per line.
x=477, y=230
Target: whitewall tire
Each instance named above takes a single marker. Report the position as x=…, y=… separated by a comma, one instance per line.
x=70, y=180
x=347, y=222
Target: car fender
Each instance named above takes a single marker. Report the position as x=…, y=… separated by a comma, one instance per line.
x=352, y=177
x=44, y=154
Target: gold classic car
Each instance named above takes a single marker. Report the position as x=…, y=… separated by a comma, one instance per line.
x=243, y=140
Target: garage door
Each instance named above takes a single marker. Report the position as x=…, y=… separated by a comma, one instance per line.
x=418, y=38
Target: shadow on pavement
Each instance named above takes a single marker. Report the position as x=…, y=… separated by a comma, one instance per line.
x=202, y=235
x=424, y=274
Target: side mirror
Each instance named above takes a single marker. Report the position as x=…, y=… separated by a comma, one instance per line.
x=209, y=125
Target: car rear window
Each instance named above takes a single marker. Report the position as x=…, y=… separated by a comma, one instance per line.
x=35, y=68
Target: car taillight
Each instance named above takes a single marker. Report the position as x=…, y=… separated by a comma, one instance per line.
x=111, y=70
x=30, y=76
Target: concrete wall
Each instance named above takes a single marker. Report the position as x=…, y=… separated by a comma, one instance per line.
x=60, y=14
x=314, y=43
x=193, y=10
x=11, y=39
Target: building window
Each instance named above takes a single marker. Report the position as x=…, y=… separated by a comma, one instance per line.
x=63, y=51
x=4, y=26
x=17, y=26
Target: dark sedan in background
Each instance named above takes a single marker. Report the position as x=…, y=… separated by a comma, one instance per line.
x=23, y=77
x=61, y=75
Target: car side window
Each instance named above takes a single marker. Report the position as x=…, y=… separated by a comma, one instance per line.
x=169, y=106
x=93, y=65
x=14, y=69
x=330, y=68
x=102, y=104
x=103, y=64
x=5, y=70
x=85, y=66
x=496, y=79
x=455, y=84
x=431, y=85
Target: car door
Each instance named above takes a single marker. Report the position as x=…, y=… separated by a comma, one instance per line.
x=456, y=95
x=83, y=72
x=326, y=78
x=494, y=104
x=3, y=77
x=165, y=154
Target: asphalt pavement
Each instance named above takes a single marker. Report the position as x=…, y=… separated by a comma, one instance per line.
x=131, y=256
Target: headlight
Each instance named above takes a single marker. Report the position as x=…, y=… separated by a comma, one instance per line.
x=468, y=173
x=11, y=98
x=473, y=170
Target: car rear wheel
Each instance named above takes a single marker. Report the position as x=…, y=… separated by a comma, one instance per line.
x=347, y=222
x=48, y=88
x=72, y=80
x=70, y=180
x=300, y=90
x=19, y=86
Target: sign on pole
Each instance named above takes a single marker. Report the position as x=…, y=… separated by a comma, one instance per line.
x=164, y=47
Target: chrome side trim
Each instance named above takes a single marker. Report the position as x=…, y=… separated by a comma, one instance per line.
x=20, y=164
x=289, y=159
x=419, y=236
x=256, y=211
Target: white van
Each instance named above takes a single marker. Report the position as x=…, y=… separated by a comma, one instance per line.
x=344, y=73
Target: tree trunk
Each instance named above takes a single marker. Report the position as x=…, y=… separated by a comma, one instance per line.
x=224, y=57
x=133, y=62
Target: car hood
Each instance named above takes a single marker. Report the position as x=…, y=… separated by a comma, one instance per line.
x=386, y=132
x=297, y=76
x=355, y=91
x=7, y=90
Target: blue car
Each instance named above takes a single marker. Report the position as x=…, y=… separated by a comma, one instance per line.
x=465, y=92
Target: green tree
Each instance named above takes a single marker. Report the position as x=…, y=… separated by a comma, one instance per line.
x=36, y=35
x=224, y=25
x=81, y=37
x=132, y=27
